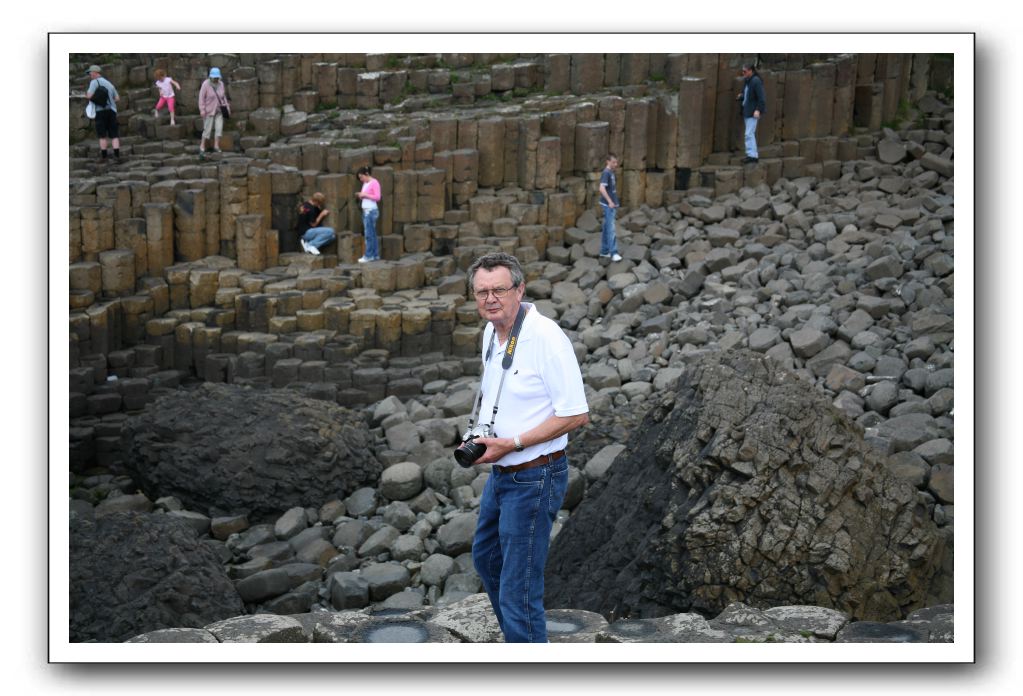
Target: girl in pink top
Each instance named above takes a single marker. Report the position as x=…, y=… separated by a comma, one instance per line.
x=164, y=83
x=370, y=197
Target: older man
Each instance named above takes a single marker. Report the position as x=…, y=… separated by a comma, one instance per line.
x=104, y=95
x=541, y=401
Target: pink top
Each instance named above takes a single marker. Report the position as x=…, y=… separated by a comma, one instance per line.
x=372, y=190
x=211, y=98
x=166, y=87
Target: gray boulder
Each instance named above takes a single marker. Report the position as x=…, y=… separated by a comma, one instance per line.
x=456, y=535
x=379, y=541
x=764, y=338
x=348, y=590
x=263, y=585
x=384, y=579
x=131, y=573
x=401, y=481
x=259, y=628
x=352, y=534
x=744, y=472
x=361, y=502
x=290, y=523
x=225, y=449
x=808, y=342
x=436, y=569
x=407, y=547
x=601, y=462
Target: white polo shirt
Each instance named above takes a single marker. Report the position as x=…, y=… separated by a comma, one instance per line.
x=543, y=380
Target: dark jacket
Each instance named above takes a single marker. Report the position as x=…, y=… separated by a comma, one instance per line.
x=756, y=101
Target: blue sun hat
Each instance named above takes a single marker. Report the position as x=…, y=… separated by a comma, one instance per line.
x=214, y=72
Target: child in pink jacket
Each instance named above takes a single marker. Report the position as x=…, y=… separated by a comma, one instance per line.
x=166, y=85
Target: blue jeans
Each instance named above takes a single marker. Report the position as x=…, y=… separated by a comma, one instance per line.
x=751, y=136
x=608, y=242
x=509, y=550
x=319, y=236
x=369, y=226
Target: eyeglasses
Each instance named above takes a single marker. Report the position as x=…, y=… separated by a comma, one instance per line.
x=498, y=293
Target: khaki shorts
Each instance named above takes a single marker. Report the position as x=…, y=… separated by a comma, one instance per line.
x=214, y=124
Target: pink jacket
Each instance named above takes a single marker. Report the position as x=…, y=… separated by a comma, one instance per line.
x=372, y=189
x=210, y=99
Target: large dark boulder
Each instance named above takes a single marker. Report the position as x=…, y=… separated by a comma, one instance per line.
x=225, y=449
x=746, y=485
x=133, y=572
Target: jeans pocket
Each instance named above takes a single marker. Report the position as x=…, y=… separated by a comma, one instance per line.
x=559, y=487
x=530, y=477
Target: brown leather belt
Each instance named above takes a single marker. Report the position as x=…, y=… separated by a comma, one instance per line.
x=539, y=461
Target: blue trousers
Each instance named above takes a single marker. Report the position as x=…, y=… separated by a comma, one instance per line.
x=608, y=241
x=751, y=136
x=517, y=511
x=369, y=226
x=319, y=236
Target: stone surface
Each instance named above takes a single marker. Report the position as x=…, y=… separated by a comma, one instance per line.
x=401, y=481
x=132, y=573
x=259, y=628
x=765, y=491
x=471, y=619
x=224, y=449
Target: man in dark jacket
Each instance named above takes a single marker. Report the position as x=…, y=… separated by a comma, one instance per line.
x=753, y=106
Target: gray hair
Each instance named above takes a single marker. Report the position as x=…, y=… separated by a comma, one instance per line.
x=489, y=262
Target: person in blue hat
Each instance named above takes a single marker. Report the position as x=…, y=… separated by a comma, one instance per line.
x=213, y=107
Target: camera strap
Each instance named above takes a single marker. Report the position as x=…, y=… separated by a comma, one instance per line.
x=506, y=362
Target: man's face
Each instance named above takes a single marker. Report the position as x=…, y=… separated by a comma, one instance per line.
x=746, y=72
x=612, y=164
x=93, y=75
x=501, y=311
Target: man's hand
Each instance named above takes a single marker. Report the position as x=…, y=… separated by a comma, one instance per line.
x=756, y=113
x=497, y=447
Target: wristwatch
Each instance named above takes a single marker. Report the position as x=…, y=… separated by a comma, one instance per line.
x=518, y=444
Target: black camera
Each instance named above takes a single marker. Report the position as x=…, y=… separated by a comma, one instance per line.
x=469, y=451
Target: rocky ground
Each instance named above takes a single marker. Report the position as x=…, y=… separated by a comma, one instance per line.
x=846, y=283
x=472, y=621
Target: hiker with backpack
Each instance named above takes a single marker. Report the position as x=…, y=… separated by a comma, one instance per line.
x=104, y=97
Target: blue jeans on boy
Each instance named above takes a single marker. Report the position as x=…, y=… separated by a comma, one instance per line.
x=608, y=241
x=369, y=226
x=509, y=550
x=751, y=136
x=319, y=236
